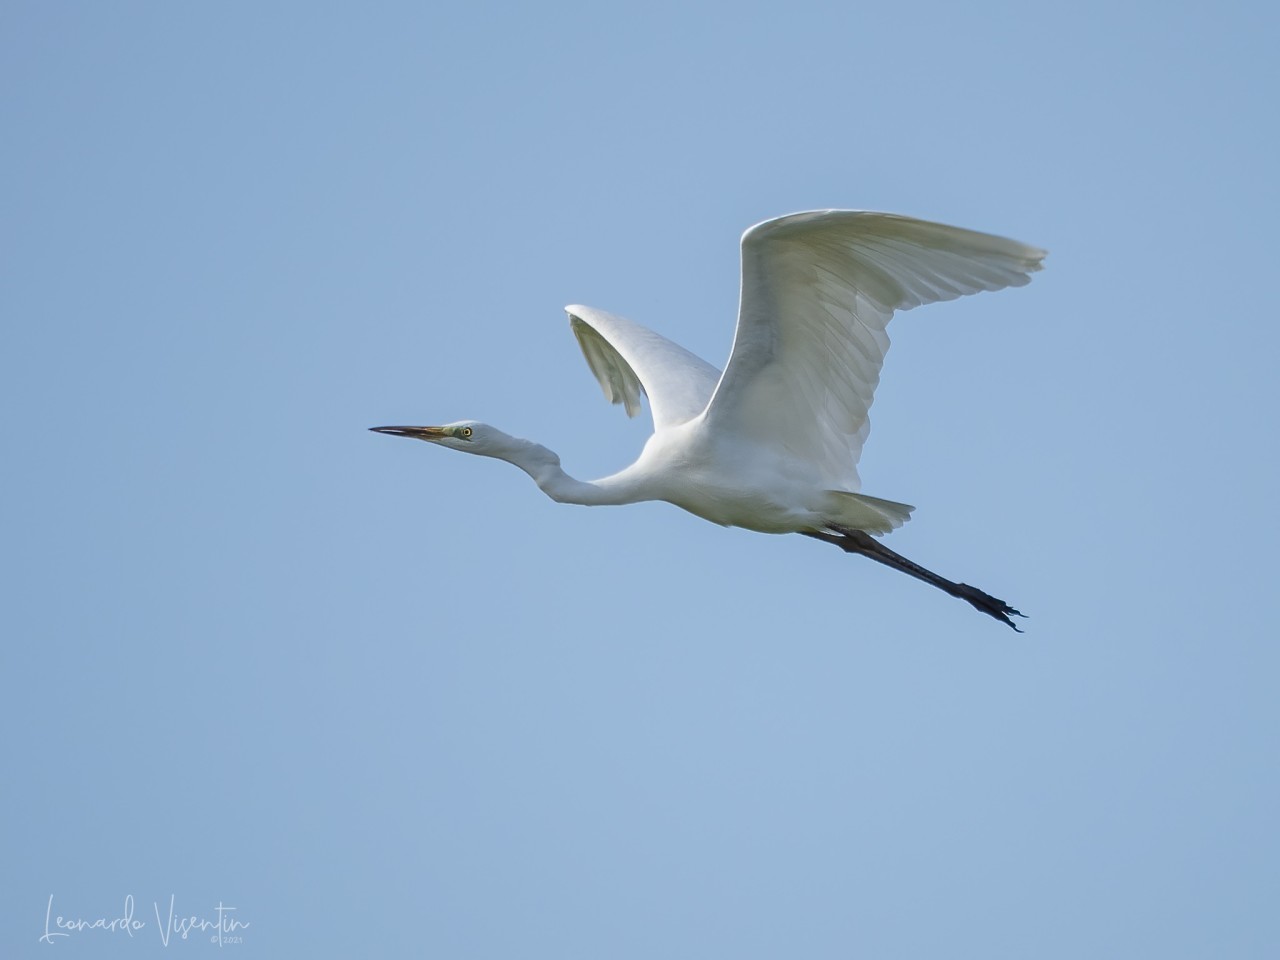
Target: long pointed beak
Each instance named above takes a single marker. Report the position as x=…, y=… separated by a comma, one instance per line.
x=416, y=433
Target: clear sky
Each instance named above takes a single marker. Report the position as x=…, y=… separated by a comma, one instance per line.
x=385, y=700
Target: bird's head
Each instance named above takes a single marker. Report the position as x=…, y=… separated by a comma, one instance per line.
x=469, y=436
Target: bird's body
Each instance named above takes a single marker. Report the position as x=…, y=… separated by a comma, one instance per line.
x=733, y=485
x=772, y=443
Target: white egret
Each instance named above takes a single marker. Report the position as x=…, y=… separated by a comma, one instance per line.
x=772, y=443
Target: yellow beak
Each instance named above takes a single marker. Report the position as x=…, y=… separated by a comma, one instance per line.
x=417, y=433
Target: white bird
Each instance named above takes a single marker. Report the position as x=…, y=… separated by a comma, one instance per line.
x=772, y=443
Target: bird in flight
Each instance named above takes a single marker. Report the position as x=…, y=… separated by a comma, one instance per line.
x=772, y=442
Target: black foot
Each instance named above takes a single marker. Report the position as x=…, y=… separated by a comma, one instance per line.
x=989, y=605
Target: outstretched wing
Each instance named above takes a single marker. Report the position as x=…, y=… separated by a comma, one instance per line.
x=818, y=289
x=629, y=359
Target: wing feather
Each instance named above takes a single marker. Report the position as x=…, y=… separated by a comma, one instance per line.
x=629, y=359
x=818, y=290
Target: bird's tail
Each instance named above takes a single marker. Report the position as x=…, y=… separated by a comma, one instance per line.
x=856, y=541
x=856, y=511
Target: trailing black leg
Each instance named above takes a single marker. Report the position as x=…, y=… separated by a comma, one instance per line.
x=856, y=541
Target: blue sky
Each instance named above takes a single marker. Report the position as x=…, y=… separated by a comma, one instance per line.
x=385, y=699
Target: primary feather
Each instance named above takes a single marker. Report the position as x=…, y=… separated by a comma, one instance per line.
x=628, y=359
x=818, y=290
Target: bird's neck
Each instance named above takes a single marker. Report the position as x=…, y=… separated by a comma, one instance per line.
x=543, y=466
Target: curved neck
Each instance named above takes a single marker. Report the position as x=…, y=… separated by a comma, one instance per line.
x=543, y=466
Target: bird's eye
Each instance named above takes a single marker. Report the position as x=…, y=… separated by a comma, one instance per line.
x=465, y=433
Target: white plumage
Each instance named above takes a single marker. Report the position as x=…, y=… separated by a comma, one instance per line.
x=772, y=444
